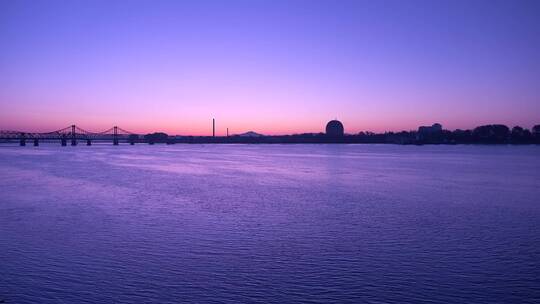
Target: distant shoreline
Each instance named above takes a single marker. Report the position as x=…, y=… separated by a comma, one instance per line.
x=426, y=135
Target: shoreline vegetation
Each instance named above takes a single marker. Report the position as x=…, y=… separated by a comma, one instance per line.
x=487, y=134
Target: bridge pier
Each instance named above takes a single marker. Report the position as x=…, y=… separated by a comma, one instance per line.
x=73, y=135
x=22, y=139
x=115, y=136
x=64, y=142
x=36, y=142
x=131, y=142
x=88, y=142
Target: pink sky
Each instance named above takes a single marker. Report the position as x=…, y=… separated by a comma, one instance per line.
x=273, y=68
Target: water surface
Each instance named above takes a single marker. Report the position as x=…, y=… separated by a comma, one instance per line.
x=270, y=224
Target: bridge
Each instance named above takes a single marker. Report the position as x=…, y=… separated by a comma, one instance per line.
x=72, y=134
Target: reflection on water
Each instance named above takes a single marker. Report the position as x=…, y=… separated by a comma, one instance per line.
x=269, y=224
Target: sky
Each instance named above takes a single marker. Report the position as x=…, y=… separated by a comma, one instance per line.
x=273, y=67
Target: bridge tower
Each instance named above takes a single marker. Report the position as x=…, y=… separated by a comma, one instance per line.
x=22, y=142
x=115, y=136
x=73, y=138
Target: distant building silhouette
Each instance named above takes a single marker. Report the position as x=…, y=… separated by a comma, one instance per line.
x=435, y=128
x=334, y=128
x=429, y=133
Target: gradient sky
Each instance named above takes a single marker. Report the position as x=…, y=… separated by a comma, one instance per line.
x=273, y=67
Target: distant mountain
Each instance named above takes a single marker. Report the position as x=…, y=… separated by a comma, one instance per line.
x=250, y=134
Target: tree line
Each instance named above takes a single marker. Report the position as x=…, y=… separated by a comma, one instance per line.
x=486, y=134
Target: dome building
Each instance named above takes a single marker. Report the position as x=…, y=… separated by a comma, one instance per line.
x=334, y=128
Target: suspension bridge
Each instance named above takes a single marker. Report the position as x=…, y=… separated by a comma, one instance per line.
x=71, y=134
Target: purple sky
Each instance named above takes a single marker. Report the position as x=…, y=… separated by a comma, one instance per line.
x=270, y=66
